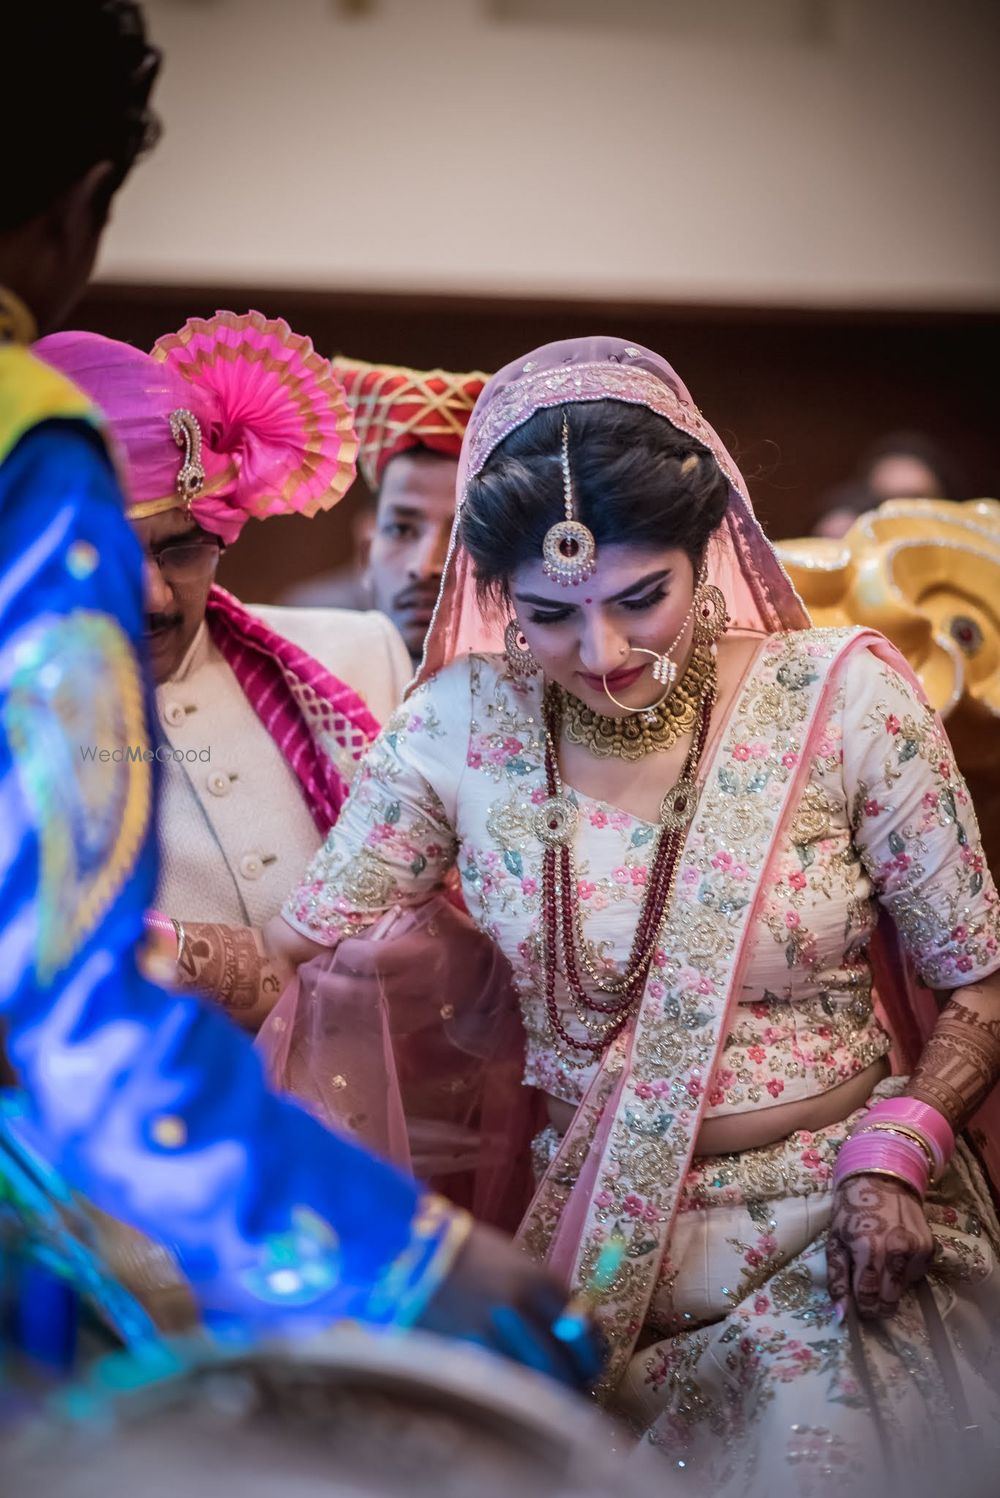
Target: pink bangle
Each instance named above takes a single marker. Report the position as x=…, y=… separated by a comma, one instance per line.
x=931, y=1125
x=155, y=920
x=883, y=1154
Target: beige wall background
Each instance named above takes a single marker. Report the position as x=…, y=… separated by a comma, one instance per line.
x=782, y=152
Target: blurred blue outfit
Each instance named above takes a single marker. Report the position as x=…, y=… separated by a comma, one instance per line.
x=151, y=1105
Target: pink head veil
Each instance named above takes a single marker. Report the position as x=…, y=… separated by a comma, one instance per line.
x=741, y=560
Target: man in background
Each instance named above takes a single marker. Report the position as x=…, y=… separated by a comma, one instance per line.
x=410, y=424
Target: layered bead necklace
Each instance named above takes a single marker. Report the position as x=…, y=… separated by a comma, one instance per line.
x=605, y=1015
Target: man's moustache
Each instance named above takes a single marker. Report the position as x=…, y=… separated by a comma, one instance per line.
x=416, y=597
x=156, y=622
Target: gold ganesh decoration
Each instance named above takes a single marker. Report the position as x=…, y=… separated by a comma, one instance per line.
x=925, y=573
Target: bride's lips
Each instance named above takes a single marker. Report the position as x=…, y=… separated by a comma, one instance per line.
x=618, y=681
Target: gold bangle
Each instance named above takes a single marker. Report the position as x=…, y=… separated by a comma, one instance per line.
x=902, y=1131
x=181, y=935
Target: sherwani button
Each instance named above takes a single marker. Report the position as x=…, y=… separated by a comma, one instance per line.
x=219, y=784
x=174, y=714
x=251, y=866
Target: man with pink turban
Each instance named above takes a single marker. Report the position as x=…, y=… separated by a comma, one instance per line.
x=264, y=712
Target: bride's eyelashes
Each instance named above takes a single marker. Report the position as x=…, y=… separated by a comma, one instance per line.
x=633, y=605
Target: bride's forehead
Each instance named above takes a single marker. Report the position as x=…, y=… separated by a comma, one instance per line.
x=618, y=567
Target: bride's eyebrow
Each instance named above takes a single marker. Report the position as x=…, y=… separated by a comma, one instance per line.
x=636, y=587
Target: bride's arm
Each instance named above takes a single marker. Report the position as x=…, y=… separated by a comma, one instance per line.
x=960, y=1063
x=393, y=845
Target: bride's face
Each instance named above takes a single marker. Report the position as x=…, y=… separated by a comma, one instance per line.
x=579, y=634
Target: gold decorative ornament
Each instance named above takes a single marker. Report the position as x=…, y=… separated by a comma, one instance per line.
x=517, y=651
x=569, y=551
x=555, y=821
x=711, y=617
x=925, y=573
x=653, y=729
x=186, y=432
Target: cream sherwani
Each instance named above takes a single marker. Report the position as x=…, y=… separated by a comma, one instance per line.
x=235, y=832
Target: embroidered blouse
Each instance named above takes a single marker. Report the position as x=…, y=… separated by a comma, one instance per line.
x=883, y=818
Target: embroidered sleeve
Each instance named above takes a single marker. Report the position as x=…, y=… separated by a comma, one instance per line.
x=395, y=840
x=915, y=827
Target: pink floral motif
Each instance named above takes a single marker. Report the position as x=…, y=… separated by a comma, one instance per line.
x=789, y=759
x=633, y=1205
x=892, y=723
x=741, y=752
x=529, y=886
x=598, y=818
x=585, y=888
x=775, y=1086
x=797, y=879
x=792, y=919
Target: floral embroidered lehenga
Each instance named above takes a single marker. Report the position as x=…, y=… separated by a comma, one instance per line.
x=832, y=852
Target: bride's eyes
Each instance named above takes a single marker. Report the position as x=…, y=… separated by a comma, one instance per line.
x=637, y=605
x=634, y=606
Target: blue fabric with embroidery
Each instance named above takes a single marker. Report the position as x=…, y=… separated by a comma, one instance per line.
x=275, y=1221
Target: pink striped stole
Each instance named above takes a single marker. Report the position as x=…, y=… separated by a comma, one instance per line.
x=317, y=721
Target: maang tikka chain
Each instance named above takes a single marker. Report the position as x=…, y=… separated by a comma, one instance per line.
x=569, y=551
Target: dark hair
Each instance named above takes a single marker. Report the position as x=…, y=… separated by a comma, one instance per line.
x=637, y=481
x=77, y=79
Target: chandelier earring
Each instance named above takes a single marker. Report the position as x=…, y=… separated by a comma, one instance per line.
x=711, y=617
x=520, y=661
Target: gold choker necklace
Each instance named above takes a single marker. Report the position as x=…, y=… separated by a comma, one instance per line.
x=642, y=732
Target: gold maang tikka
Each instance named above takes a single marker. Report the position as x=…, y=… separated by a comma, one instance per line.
x=569, y=551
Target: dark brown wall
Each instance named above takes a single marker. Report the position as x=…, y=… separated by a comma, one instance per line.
x=796, y=394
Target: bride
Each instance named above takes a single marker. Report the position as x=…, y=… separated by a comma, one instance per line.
x=718, y=848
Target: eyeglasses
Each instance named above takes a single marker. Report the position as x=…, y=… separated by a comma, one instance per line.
x=187, y=561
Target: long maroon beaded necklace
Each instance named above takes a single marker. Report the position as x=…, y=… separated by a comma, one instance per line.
x=562, y=926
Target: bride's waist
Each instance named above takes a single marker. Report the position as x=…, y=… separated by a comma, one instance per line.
x=757, y=1127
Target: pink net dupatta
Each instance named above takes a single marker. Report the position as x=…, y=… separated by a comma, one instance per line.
x=409, y=1039
x=741, y=561
x=320, y=724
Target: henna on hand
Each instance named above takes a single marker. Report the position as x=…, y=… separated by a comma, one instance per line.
x=879, y=1242
x=961, y=1061
x=226, y=963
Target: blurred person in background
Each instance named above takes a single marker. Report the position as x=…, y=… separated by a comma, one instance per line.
x=410, y=425
x=264, y=711
x=151, y=1104
x=900, y=465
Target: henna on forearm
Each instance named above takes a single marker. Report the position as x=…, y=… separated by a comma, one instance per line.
x=961, y=1061
x=227, y=964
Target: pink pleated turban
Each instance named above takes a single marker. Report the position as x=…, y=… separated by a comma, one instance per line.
x=229, y=418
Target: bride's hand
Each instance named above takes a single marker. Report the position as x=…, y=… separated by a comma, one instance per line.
x=880, y=1242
